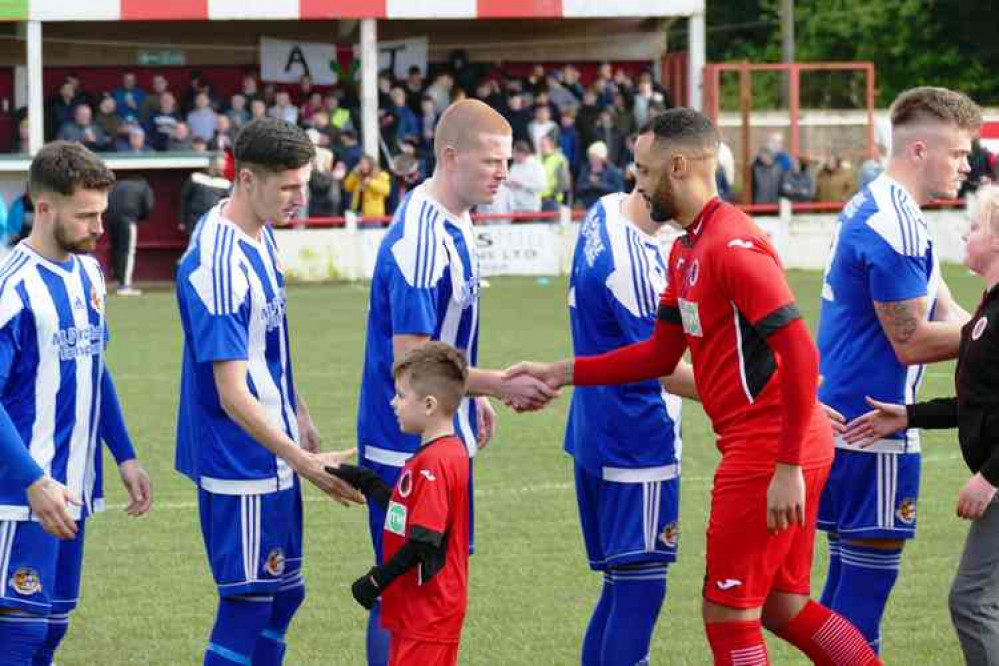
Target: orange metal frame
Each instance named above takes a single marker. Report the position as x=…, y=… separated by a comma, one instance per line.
x=712, y=86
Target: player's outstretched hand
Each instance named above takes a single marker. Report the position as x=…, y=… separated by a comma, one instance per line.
x=140, y=490
x=312, y=467
x=525, y=393
x=786, y=498
x=837, y=420
x=48, y=500
x=487, y=420
x=365, y=591
x=881, y=421
x=975, y=497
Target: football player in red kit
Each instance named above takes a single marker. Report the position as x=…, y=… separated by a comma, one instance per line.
x=423, y=582
x=756, y=370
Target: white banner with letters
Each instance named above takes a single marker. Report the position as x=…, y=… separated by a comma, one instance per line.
x=402, y=54
x=284, y=61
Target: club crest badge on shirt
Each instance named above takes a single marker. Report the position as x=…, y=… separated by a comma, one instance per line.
x=275, y=562
x=26, y=581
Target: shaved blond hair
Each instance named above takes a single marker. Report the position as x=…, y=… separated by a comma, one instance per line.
x=464, y=122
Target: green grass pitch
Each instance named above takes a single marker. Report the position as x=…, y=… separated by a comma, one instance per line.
x=148, y=597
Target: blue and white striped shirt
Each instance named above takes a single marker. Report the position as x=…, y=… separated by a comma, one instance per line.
x=426, y=282
x=231, y=294
x=630, y=431
x=882, y=251
x=53, y=337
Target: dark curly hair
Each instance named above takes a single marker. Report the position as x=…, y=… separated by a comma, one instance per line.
x=685, y=126
x=66, y=166
x=270, y=144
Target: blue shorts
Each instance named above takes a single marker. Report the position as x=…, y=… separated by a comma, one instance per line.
x=628, y=522
x=39, y=573
x=376, y=514
x=254, y=542
x=871, y=495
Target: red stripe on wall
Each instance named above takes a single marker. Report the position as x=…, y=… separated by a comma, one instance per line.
x=330, y=9
x=160, y=10
x=990, y=130
x=519, y=8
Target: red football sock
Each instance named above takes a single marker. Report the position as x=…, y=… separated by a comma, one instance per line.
x=828, y=638
x=737, y=643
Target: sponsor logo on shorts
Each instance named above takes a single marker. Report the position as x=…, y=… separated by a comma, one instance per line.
x=26, y=582
x=979, y=328
x=406, y=483
x=395, y=519
x=670, y=535
x=275, y=562
x=907, y=511
x=728, y=583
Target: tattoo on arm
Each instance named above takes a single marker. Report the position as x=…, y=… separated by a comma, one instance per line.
x=899, y=319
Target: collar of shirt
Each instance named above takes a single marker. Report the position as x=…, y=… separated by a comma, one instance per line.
x=696, y=229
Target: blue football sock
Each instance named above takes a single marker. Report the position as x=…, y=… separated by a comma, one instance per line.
x=832, y=575
x=866, y=578
x=270, y=649
x=378, y=638
x=21, y=634
x=58, y=625
x=593, y=641
x=639, y=592
x=238, y=625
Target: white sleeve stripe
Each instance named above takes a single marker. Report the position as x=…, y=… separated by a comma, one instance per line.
x=432, y=245
x=420, y=246
x=216, y=288
x=639, y=274
x=11, y=269
x=222, y=271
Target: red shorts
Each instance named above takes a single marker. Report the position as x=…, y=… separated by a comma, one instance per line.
x=745, y=562
x=405, y=651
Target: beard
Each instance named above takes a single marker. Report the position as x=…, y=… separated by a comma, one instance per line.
x=80, y=245
x=662, y=203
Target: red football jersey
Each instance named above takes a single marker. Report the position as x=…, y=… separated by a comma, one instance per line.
x=728, y=286
x=432, y=493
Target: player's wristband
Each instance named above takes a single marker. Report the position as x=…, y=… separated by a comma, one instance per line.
x=368, y=482
x=365, y=591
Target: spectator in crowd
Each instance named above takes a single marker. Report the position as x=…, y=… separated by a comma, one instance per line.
x=198, y=144
x=201, y=192
x=797, y=183
x=181, y=141
x=489, y=92
x=568, y=140
x=622, y=114
x=340, y=119
x=311, y=107
x=82, y=129
x=775, y=142
x=133, y=142
x=224, y=137
x=726, y=162
x=519, y=117
x=766, y=176
x=59, y=109
x=982, y=171
x=151, y=104
x=407, y=125
x=238, y=113
x=598, y=177
x=195, y=85
x=258, y=108
x=644, y=98
x=109, y=121
x=562, y=99
x=428, y=124
x=202, y=119
x=283, y=109
x=305, y=91
x=23, y=136
x=414, y=88
x=163, y=122
x=128, y=97
x=130, y=202
x=526, y=181
x=836, y=180
x=407, y=172
x=873, y=167
x=369, y=188
x=384, y=82
x=350, y=150
x=321, y=123
x=248, y=88
x=325, y=182
x=611, y=135
x=542, y=125
x=586, y=117
x=570, y=81
x=558, y=180
x=20, y=218
x=440, y=91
